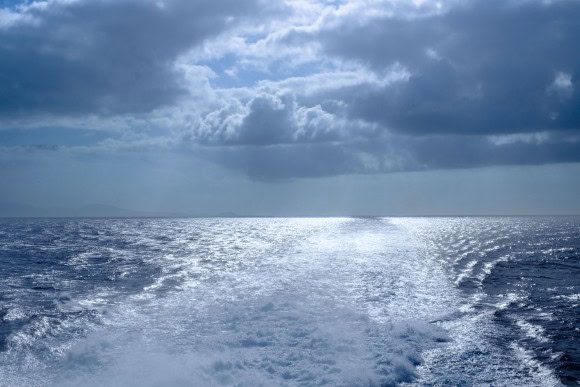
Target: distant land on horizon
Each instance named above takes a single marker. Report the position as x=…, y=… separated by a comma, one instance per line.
x=14, y=210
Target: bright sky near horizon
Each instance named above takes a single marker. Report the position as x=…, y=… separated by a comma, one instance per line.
x=292, y=107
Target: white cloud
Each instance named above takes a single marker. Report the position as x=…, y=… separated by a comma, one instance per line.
x=562, y=85
x=525, y=138
x=10, y=18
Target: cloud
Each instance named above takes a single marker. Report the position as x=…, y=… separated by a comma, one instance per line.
x=271, y=119
x=477, y=68
x=104, y=57
x=393, y=154
x=485, y=83
x=303, y=88
x=562, y=86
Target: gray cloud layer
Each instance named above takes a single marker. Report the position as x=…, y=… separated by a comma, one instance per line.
x=483, y=67
x=478, y=83
x=398, y=154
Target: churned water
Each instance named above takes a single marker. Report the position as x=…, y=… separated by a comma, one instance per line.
x=332, y=301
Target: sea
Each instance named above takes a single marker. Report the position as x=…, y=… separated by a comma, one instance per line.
x=433, y=301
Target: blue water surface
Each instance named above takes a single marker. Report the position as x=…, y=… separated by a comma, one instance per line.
x=281, y=301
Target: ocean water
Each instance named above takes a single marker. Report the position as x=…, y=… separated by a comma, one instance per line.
x=296, y=302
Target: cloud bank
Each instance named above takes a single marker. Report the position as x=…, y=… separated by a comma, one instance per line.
x=301, y=88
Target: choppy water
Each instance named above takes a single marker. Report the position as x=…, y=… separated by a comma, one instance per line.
x=350, y=301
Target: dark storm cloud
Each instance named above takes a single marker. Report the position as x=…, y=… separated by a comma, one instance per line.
x=482, y=67
x=445, y=152
x=396, y=154
x=104, y=57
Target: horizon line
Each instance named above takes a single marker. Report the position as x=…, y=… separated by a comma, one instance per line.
x=234, y=216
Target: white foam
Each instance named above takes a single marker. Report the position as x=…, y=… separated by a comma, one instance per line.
x=533, y=331
x=507, y=300
x=489, y=266
x=542, y=375
x=570, y=297
x=274, y=341
x=466, y=272
x=14, y=314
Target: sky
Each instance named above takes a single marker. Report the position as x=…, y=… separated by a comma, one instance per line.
x=292, y=107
